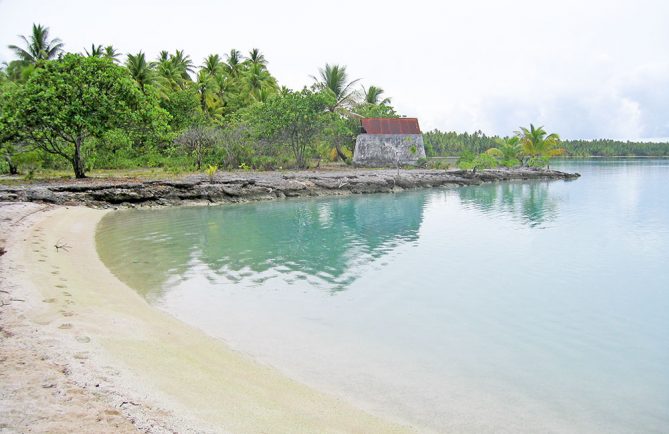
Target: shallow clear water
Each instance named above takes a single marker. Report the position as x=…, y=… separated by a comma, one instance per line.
x=517, y=307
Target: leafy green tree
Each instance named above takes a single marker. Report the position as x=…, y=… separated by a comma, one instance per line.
x=236, y=144
x=339, y=133
x=10, y=145
x=184, y=107
x=367, y=110
x=18, y=71
x=38, y=46
x=77, y=98
x=199, y=142
x=295, y=119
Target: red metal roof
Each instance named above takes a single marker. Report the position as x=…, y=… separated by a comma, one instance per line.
x=390, y=126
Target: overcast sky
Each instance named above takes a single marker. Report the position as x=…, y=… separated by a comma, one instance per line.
x=584, y=69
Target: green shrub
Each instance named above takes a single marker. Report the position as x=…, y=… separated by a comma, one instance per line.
x=28, y=163
x=210, y=171
x=538, y=162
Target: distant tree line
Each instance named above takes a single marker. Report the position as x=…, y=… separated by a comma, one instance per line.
x=444, y=144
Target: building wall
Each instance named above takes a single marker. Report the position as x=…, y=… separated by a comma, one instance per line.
x=378, y=150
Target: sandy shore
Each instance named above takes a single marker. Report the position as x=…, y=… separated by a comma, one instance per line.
x=83, y=352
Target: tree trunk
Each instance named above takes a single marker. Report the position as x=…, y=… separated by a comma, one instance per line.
x=340, y=154
x=77, y=161
x=13, y=168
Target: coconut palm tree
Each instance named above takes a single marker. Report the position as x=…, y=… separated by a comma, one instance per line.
x=334, y=78
x=111, y=53
x=372, y=95
x=96, y=51
x=233, y=64
x=183, y=63
x=508, y=150
x=140, y=69
x=38, y=46
x=256, y=58
x=168, y=76
x=213, y=64
x=163, y=56
x=536, y=142
x=207, y=88
x=259, y=82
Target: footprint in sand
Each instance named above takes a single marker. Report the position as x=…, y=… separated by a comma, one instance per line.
x=42, y=260
x=83, y=339
x=68, y=314
x=111, y=370
x=70, y=302
x=55, y=272
x=65, y=326
x=81, y=356
x=66, y=294
x=61, y=286
x=49, y=300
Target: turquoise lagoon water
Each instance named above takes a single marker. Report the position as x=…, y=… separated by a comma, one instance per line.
x=516, y=307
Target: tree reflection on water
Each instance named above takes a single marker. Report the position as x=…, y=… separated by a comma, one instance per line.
x=324, y=241
x=530, y=203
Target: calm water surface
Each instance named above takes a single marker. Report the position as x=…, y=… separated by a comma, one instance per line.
x=517, y=307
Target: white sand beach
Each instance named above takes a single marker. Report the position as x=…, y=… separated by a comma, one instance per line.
x=83, y=352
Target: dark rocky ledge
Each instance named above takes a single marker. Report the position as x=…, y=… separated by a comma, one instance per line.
x=255, y=186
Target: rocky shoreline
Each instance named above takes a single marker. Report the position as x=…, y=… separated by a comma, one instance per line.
x=230, y=187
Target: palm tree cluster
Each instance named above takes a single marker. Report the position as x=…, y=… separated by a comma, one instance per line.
x=528, y=145
x=222, y=84
x=334, y=79
x=108, y=52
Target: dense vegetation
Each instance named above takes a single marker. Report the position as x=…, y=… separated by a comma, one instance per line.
x=99, y=109
x=89, y=110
